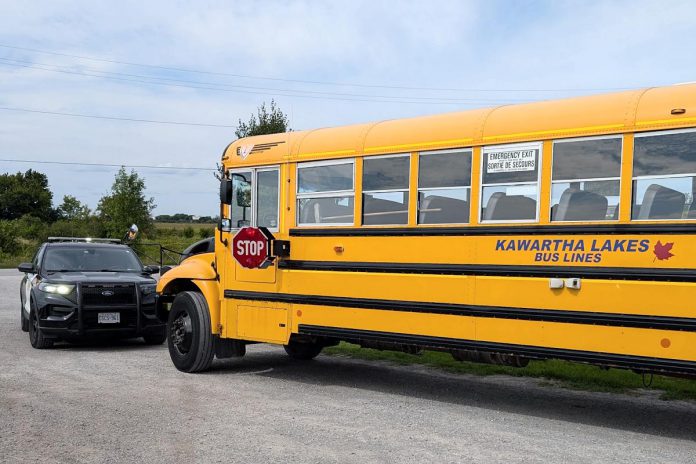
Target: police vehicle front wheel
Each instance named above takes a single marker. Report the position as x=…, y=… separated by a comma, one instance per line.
x=190, y=338
x=36, y=336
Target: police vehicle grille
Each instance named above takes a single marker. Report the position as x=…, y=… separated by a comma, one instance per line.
x=108, y=294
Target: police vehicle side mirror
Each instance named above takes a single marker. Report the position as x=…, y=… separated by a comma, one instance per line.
x=226, y=191
x=26, y=268
x=151, y=270
x=164, y=270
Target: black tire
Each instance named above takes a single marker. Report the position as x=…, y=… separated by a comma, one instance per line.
x=303, y=351
x=36, y=336
x=156, y=338
x=190, y=338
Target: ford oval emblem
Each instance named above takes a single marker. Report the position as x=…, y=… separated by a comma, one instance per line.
x=108, y=293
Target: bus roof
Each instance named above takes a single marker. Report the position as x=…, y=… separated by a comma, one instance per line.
x=629, y=111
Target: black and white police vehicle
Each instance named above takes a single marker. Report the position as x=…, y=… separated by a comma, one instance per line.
x=80, y=287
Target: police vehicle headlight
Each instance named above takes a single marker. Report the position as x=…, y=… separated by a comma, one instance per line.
x=147, y=289
x=60, y=289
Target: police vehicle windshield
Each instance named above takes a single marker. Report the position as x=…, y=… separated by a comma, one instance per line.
x=90, y=259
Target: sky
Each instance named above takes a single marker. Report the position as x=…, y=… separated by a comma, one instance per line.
x=204, y=65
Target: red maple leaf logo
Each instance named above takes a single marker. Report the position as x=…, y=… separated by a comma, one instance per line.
x=663, y=251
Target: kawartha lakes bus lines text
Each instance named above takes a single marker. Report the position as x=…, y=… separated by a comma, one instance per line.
x=582, y=250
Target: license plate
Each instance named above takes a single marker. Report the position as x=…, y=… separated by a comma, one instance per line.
x=109, y=318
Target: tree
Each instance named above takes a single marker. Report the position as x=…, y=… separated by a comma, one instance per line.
x=26, y=193
x=73, y=209
x=266, y=122
x=126, y=205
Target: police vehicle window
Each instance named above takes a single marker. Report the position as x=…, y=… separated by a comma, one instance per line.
x=586, y=179
x=64, y=259
x=267, y=198
x=325, y=192
x=385, y=190
x=664, y=175
x=444, y=187
x=510, y=182
x=241, y=199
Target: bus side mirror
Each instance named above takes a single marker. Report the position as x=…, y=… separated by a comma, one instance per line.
x=226, y=191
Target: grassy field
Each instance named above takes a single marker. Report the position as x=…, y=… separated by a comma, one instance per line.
x=175, y=236
x=562, y=373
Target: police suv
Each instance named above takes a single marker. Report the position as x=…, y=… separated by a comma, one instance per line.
x=78, y=287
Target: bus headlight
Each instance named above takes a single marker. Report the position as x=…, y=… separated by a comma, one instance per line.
x=60, y=289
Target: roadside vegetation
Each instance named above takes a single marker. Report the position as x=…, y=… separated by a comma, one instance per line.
x=560, y=373
x=28, y=218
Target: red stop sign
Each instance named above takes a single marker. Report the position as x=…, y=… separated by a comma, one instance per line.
x=250, y=247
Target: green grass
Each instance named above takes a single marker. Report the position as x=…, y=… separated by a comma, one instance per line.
x=565, y=374
x=182, y=225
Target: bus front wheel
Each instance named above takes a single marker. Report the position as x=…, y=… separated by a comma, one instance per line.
x=190, y=337
x=303, y=350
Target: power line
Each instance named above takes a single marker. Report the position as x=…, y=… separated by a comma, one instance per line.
x=301, y=81
x=315, y=97
x=114, y=118
x=75, y=163
x=229, y=87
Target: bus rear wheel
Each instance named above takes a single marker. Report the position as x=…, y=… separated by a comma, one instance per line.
x=303, y=351
x=190, y=338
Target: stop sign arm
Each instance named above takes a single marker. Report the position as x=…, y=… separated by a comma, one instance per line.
x=278, y=248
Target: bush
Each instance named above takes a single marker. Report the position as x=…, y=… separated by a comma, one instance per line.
x=8, y=237
x=188, y=232
x=90, y=227
x=31, y=227
x=205, y=232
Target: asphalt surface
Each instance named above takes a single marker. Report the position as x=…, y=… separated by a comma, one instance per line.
x=125, y=402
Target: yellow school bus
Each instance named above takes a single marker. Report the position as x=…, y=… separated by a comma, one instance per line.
x=559, y=229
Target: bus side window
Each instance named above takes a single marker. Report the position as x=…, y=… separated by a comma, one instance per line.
x=510, y=182
x=586, y=179
x=444, y=187
x=325, y=192
x=664, y=175
x=385, y=190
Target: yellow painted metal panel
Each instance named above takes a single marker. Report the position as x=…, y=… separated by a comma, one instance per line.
x=626, y=184
x=413, y=190
x=655, y=107
x=386, y=321
x=601, y=339
x=211, y=292
x=619, y=340
x=635, y=250
x=262, y=324
x=545, y=181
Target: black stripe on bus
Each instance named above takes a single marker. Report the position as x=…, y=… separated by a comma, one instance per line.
x=609, y=229
x=534, y=352
x=590, y=272
x=501, y=312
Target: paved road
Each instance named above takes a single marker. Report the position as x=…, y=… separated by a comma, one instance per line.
x=127, y=403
